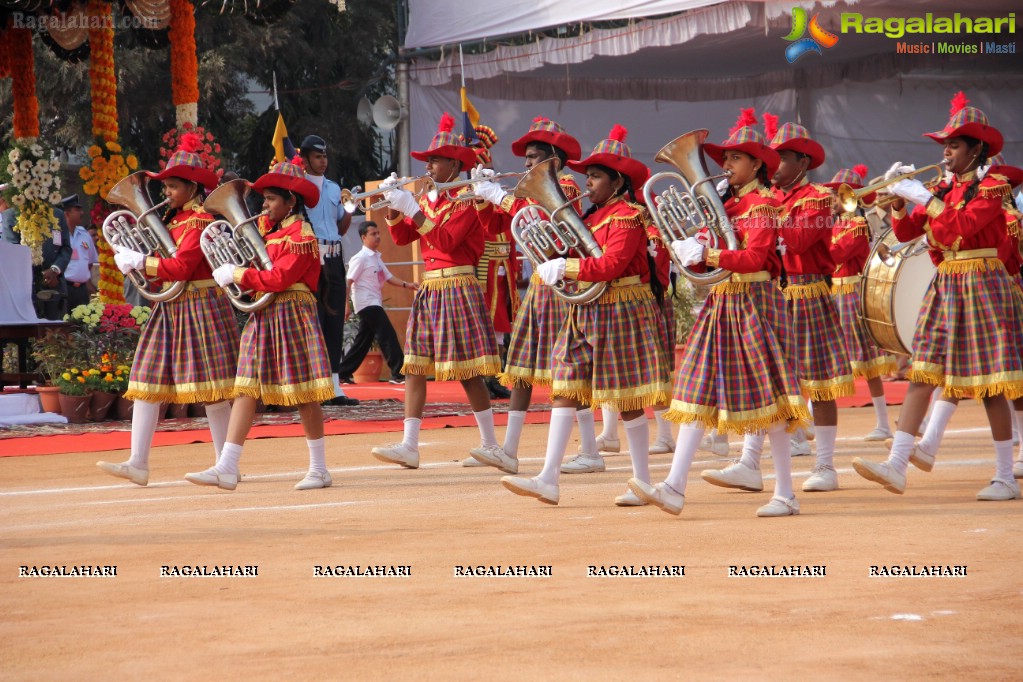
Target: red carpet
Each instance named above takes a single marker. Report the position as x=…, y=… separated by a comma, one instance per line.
x=445, y=398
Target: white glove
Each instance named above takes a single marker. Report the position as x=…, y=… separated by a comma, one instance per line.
x=402, y=201
x=389, y=182
x=722, y=186
x=488, y=190
x=898, y=168
x=552, y=272
x=688, y=251
x=480, y=172
x=224, y=274
x=913, y=190
x=128, y=260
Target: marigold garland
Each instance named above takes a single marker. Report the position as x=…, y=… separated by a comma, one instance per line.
x=111, y=281
x=22, y=66
x=102, y=79
x=184, y=65
x=108, y=164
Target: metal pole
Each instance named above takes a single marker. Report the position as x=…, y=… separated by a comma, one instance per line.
x=404, y=134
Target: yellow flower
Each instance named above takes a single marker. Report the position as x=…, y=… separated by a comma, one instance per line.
x=114, y=147
x=95, y=151
x=133, y=162
x=66, y=376
x=81, y=380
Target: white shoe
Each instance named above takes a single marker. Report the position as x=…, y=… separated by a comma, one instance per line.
x=584, y=464
x=780, y=507
x=882, y=473
x=878, y=435
x=314, y=479
x=398, y=453
x=495, y=456
x=213, y=477
x=661, y=495
x=715, y=446
x=532, y=487
x=735, y=475
x=921, y=459
x=629, y=499
x=662, y=446
x=608, y=444
x=472, y=462
x=811, y=434
x=136, y=475
x=1000, y=490
x=824, y=479
x=1017, y=468
x=800, y=445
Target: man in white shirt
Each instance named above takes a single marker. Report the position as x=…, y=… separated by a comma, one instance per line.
x=83, y=254
x=330, y=222
x=366, y=276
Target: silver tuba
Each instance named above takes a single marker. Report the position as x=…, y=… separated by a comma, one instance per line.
x=235, y=240
x=140, y=229
x=557, y=234
x=691, y=204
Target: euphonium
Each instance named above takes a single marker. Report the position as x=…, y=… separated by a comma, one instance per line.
x=555, y=236
x=235, y=240
x=144, y=232
x=681, y=213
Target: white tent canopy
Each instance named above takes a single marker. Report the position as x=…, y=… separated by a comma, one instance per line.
x=663, y=76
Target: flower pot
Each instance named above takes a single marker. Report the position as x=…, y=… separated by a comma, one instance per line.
x=49, y=398
x=125, y=408
x=369, y=370
x=100, y=405
x=75, y=407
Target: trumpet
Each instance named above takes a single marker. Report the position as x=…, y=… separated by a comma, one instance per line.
x=849, y=199
x=457, y=184
x=353, y=199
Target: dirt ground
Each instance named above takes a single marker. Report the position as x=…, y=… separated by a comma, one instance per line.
x=288, y=623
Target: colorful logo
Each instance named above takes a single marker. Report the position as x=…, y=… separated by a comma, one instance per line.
x=818, y=36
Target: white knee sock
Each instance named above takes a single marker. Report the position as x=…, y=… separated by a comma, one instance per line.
x=781, y=455
x=587, y=432
x=557, y=440
x=229, y=456
x=941, y=414
x=411, y=439
x=663, y=426
x=512, y=434
x=144, y=417
x=881, y=410
x=1019, y=431
x=902, y=446
x=1003, y=459
x=826, y=436
x=637, y=433
x=753, y=448
x=317, y=455
x=218, y=415
x=485, y=420
x=685, y=450
x=610, y=416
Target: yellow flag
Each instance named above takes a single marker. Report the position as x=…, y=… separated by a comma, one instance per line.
x=284, y=150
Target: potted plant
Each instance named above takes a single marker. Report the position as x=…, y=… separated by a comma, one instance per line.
x=74, y=394
x=101, y=382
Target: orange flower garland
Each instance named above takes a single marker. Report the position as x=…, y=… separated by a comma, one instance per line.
x=108, y=165
x=22, y=65
x=184, y=65
x=101, y=70
x=111, y=281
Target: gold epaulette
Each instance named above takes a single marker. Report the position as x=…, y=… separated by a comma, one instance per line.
x=858, y=228
x=765, y=192
x=624, y=222
x=1000, y=190
x=760, y=211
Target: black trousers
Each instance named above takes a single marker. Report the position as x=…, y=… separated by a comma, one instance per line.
x=373, y=323
x=77, y=296
x=330, y=302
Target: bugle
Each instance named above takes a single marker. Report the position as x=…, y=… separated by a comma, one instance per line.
x=235, y=240
x=354, y=199
x=139, y=228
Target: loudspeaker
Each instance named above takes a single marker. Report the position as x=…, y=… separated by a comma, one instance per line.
x=387, y=113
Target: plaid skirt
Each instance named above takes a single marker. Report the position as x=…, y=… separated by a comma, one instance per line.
x=449, y=332
x=537, y=324
x=866, y=359
x=607, y=352
x=734, y=375
x=823, y=364
x=283, y=359
x=770, y=301
x=968, y=339
x=666, y=336
x=188, y=350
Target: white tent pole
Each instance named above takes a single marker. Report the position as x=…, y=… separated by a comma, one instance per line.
x=405, y=124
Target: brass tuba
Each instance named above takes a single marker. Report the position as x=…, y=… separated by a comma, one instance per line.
x=140, y=229
x=557, y=234
x=235, y=240
x=682, y=212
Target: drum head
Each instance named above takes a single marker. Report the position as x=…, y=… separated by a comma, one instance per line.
x=915, y=277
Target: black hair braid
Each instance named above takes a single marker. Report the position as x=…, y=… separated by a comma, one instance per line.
x=971, y=191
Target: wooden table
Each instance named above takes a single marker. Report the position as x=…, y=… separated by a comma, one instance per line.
x=22, y=335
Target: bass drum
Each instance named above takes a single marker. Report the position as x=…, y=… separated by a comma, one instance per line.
x=891, y=292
